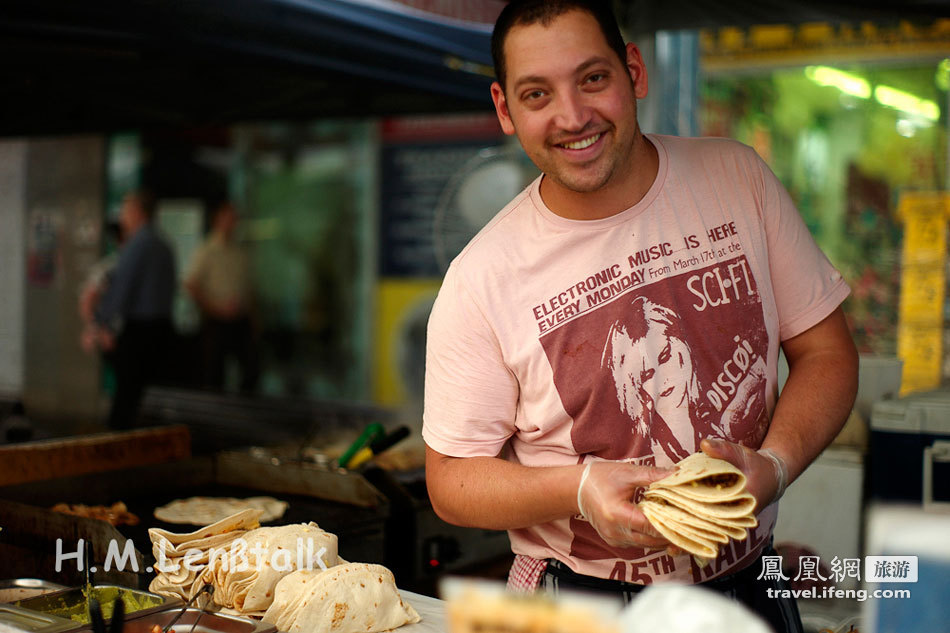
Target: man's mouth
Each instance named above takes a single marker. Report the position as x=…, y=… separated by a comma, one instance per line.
x=583, y=143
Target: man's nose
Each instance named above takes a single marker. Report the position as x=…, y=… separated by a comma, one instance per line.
x=573, y=112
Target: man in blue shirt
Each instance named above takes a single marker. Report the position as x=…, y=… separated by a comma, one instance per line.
x=137, y=306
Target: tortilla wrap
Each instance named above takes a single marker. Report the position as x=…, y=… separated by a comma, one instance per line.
x=702, y=477
x=249, y=572
x=205, y=510
x=701, y=505
x=734, y=508
x=347, y=598
x=692, y=544
x=679, y=515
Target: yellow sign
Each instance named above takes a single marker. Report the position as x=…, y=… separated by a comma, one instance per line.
x=402, y=308
x=923, y=283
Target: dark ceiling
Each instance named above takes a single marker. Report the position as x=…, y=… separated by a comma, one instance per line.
x=68, y=66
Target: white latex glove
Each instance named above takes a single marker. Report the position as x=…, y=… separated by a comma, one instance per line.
x=607, y=497
x=765, y=471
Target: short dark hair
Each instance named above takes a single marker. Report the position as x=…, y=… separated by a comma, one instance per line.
x=526, y=12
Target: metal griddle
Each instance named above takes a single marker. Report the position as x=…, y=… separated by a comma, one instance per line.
x=31, y=529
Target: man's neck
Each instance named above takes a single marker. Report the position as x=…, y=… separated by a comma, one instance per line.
x=609, y=200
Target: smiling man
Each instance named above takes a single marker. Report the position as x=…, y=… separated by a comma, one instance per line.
x=527, y=428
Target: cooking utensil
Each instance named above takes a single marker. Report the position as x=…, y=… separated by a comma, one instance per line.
x=206, y=589
x=202, y=611
x=118, y=616
x=87, y=564
x=95, y=617
x=377, y=446
x=371, y=432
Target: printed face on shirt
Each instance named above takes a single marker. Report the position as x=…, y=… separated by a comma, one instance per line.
x=571, y=101
x=652, y=369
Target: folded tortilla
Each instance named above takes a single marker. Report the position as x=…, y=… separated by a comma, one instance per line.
x=204, y=510
x=248, y=578
x=701, y=505
x=347, y=598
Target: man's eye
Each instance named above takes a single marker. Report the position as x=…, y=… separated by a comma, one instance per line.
x=595, y=77
x=533, y=95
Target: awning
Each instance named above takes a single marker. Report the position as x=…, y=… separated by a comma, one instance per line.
x=67, y=66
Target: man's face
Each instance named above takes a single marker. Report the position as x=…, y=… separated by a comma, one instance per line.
x=131, y=215
x=571, y=101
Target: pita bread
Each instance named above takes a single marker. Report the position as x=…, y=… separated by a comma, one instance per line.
x=271, y=554
x=687, y=518
x=705, y=477
x=348, y=598
x=701, y=505
x=205, y=510
x=181, y=580
x=679, y=537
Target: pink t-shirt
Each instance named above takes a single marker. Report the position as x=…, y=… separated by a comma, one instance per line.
x=628, y=338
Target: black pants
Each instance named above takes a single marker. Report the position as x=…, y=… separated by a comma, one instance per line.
x=743, y=587
x=141, y=357
x=223, y=338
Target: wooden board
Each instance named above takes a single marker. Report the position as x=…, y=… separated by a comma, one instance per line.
x=65, y=457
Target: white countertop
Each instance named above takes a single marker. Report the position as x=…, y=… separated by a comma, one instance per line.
x=432, y=611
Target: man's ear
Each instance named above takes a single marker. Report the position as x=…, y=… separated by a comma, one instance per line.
x=637, y=70
x=501, y=108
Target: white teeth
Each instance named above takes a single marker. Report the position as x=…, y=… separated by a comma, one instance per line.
x=587, y=142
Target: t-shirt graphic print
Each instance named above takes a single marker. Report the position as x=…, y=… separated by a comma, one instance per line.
x=651, y=370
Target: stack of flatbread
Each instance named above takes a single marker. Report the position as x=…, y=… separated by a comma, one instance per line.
x=205, y=510
x=701, y=505
x=347, y=598
x=291, y=575
x=183, y=558
x=244, y=580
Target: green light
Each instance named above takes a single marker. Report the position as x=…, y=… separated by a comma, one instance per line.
x=845, y=82
x=906, y=102
x=942, y=76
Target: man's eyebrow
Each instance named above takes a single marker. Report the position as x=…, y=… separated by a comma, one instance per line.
x=532, y=79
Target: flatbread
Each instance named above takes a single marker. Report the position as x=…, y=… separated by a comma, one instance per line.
x=701, y=505
x=205, y=510
x=681, y=516
x=704, y=477
x=680, y=538
x=347, y=598
x=736, y=507
x=272, y=553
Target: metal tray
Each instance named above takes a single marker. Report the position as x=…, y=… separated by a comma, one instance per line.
x=12, y=589
x=71, y=602
x=34, y=621
x=207, y=623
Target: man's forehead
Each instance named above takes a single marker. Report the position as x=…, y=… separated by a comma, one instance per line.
x=565, y=44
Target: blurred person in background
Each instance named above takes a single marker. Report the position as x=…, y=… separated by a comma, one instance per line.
x=94, y=288
x=134, y=315
x=219, y=281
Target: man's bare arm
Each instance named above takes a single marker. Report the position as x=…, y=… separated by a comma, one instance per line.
x=495, y=494
x=814, y=405
x=492, y=493
x=818, y=395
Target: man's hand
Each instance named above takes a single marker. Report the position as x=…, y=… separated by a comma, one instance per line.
x=764, y=479
x=606, y=498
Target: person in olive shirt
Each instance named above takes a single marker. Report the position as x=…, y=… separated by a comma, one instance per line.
x=134, y=316
x=219, y=281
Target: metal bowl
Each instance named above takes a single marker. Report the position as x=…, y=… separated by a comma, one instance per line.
x=71, y=604
x=12, y=589
x=206, y=623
